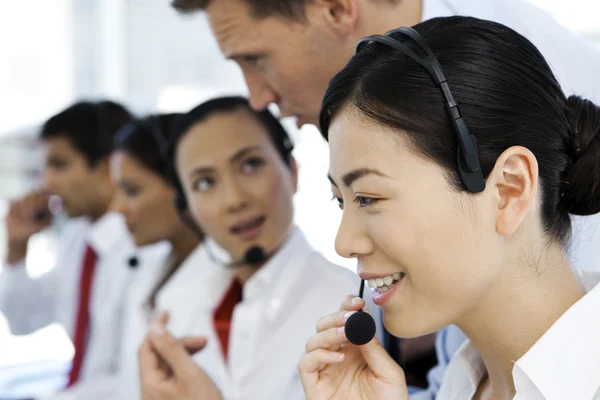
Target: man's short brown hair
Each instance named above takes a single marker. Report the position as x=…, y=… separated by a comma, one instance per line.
x=292, y=9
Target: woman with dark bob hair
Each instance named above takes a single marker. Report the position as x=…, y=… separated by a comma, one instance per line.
x=458, y=162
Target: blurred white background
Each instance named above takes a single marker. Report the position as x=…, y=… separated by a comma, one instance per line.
x=142, y=53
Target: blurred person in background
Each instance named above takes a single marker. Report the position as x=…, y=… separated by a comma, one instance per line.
x=85, y=290
x=238, y=178
x=145, y=198
x=289, y=50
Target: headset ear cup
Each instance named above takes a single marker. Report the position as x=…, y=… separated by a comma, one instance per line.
x=182, y=209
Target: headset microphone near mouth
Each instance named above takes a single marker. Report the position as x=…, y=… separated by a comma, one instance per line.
x=360, y=327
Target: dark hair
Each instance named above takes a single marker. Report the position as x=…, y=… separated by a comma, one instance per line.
x=181, y=126
x=89, y=127
x=508, y=97
x=293, y=10
x=147, y=140
x=290, y=9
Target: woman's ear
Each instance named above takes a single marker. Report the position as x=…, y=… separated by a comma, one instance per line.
x=514, y=180
x=294, y=173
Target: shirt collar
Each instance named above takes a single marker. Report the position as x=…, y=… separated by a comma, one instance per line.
x=270, y=272
x=106, y=233
x=563, y=363
x=462, y=377
x=270, y=282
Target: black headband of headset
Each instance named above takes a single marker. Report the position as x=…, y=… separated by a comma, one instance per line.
x=469, y=167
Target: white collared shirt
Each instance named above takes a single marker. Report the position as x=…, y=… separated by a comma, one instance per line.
x=281, y=305
x=563, y=364
x=575, y=63
x=30, y=304
x=179, y=297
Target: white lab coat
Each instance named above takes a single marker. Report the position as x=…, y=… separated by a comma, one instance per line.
x=179, y=296
x=281, y=305
x=575, y=63
x=30, y=304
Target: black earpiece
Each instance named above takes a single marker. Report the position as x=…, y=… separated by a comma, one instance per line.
x=469, y=167
x=360, y=327
x=181, y=206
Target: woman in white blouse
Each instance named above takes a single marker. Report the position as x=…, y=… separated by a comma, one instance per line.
x=269, y=286
x=456, y=199
x=168, y=281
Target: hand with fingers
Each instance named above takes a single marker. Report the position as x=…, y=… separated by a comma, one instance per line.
x=167, y=370
x=26, y=217
x=333, y=368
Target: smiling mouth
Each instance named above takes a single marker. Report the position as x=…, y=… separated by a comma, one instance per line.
x=382, y=285
x=248, y=226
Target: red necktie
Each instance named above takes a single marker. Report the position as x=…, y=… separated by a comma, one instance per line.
x=223, y=313
x=83, y=313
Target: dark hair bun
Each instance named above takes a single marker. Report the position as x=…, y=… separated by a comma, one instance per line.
x=582, y=177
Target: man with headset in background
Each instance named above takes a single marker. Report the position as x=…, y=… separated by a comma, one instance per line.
x=288, y=51
x=85, y=291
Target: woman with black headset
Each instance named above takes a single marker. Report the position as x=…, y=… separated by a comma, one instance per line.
x=456, y=197
x=145, y=198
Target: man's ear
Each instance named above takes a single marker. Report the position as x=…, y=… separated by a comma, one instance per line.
x=515, y=182
x=341, y=15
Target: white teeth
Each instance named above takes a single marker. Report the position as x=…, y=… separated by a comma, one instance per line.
x=383, y=284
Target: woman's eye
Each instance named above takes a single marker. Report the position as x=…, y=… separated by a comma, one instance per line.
x=251, y=165
x=364, y=201
x=203, y=184
x=339, y=201
x=131, y=192
x=58, y=165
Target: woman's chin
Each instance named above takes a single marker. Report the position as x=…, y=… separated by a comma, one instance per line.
x=407, y=326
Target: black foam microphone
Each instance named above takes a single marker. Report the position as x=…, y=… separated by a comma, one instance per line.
x=255, y=255
x=133, y=262
x=360, y=327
